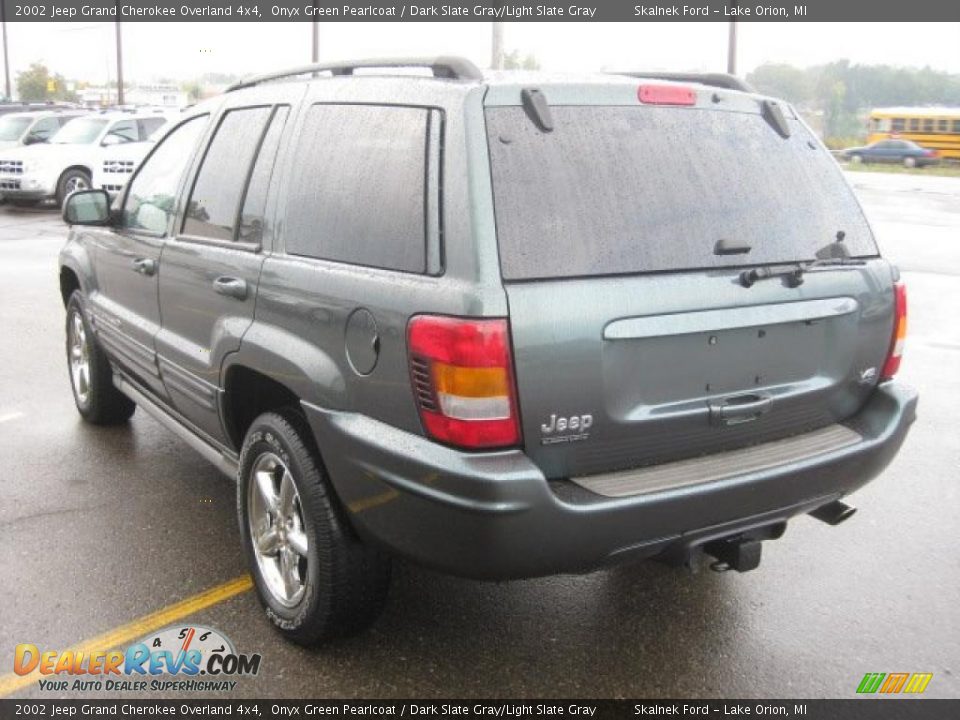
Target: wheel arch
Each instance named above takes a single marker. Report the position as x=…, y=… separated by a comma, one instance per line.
x=75, y=166
x=69, y=283
x=248, y=393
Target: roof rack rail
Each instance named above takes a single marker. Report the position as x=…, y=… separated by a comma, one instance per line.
x=449, y=67
x=721, y=80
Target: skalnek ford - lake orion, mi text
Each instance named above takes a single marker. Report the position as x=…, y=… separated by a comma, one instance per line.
x=754, y=11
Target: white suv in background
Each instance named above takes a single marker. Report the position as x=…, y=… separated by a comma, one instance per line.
x=65, y=164
x=32, y=127
x=119, y=162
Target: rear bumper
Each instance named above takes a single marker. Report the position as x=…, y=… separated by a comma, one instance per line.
x=495, y=516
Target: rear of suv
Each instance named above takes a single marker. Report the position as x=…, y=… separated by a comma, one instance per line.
x=504, y=326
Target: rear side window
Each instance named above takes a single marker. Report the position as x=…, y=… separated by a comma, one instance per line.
x=358, y=189
x=217, y=191
x=255, y=202
x=616, y=190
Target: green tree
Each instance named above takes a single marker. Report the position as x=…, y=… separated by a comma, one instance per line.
x=36, y=84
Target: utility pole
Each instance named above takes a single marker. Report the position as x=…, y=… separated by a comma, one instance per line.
x=496, y=54
x=732, y=49
x=6, y=55
x=119, y=66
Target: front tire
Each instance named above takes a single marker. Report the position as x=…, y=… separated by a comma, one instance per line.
x=98, y=400
x=72, y=181
x=909, y=162
x=856, y=159
x=315, y=579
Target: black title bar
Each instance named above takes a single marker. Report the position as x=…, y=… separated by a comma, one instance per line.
x=478, y=10
x=860, y=709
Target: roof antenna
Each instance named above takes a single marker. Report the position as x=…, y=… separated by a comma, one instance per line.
x=537, y=109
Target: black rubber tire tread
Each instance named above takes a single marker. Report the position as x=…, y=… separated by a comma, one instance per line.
x=352, y=578
x=106, y=405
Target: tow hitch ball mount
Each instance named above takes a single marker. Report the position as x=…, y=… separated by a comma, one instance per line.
x=742, y=552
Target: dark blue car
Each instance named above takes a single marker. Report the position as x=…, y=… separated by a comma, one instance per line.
x=902, y=152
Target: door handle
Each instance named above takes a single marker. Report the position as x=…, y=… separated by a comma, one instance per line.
x=739, y=408
x=231, y=287
x=145, y=266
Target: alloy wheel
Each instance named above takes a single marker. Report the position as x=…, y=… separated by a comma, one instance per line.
x=275, y=520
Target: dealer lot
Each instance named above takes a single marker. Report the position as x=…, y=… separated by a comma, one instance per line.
x=102, y=526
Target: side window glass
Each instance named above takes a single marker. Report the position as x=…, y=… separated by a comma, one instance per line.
x=255, y=202
x=358, y=189
x=43, y=129
x=151, y=200
x=148, y=125
x=215, y=199
x=122, y=132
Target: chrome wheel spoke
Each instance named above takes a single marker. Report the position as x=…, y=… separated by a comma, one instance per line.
x=287, y=494
x=297, y=539
x=289, y=573
x=268, y=495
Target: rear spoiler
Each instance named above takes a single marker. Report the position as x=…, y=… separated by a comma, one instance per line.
x=720, y=80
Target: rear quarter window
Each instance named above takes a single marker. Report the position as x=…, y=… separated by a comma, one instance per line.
x=615, y=190
x=358, y=187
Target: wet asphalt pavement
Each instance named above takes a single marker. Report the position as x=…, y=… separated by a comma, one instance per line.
x=101, y=526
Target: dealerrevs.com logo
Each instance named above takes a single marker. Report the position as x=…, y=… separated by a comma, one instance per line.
x=192, y=658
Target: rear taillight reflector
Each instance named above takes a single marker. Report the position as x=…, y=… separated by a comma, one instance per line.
x=892, y=363
x=462, y=373
x=666, y=95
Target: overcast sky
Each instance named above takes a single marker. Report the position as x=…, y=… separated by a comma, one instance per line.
x=85, y=51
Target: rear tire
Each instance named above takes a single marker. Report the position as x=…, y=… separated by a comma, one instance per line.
x=91, y=378
x=315, y=579
x=72, y=181
x=856, y=159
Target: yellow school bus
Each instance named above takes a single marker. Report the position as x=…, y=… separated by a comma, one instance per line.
x=929, y=127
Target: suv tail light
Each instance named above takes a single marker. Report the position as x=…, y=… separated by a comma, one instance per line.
x=462, y=374
x=892, y=363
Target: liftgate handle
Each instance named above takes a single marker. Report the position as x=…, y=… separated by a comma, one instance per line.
x=739, y=409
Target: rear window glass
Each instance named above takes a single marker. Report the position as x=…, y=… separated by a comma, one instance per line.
x=616, y=190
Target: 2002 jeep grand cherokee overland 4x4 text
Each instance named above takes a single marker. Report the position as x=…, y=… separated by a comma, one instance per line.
x=504, y=326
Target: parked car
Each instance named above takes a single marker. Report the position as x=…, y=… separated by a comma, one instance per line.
x=119, y=162
x=901, y=152
x=29, y=128
x=65, y=163
x=502, y=327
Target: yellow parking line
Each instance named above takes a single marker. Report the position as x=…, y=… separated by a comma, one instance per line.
x=136, y=629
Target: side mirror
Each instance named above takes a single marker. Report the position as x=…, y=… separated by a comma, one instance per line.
x=112, y=139
x=87, y=207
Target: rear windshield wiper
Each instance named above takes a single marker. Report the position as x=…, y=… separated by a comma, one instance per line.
x=835, y=253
